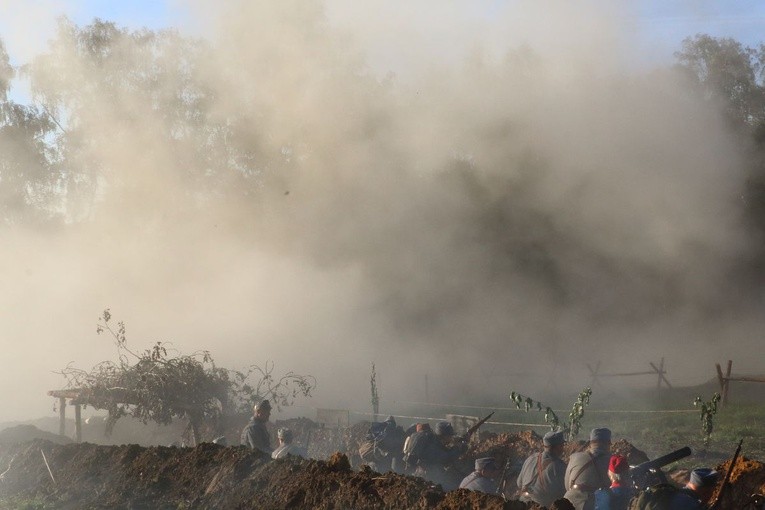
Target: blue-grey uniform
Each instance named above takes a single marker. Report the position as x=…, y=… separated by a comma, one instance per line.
x=255, y=435
x=615, y=498
x=687, y=498
x=476, y=481
x=289, y=449
x=542, y=476
x=588, y=471
x=429, y=456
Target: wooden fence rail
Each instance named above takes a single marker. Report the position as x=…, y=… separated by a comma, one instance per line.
x=659, y=371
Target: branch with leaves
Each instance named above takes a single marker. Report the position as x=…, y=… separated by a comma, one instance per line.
x=707, y=412
x=573, y=426
x=159, y=384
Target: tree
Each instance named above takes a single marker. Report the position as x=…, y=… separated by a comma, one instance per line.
x=725, y=70
x=156, y=385
x=149, y=90
x=28, y=173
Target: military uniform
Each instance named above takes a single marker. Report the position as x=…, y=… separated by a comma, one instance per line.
x=475, y=482
x=255, y=435
x=542, y=479
x=586, y=473
x=289, y=449
x=429, y=458
x=615, y=498
x=382, y=449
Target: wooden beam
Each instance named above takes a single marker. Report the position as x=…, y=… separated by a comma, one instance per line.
x=71, y=393
x=747, y=379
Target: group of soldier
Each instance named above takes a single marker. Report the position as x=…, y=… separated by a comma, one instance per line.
x=255, y=435
x=592, y=480
x=596, y=479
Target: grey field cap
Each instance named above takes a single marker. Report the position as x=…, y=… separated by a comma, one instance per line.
x=485, y=463
x=704, y=477
x=553, y=439
x=602, y=435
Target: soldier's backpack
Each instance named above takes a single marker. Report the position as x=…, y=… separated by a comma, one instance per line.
x=658, y=497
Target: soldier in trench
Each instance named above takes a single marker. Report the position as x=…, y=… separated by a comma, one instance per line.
x=255, y=434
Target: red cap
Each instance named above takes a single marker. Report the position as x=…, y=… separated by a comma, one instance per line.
x=618, y=464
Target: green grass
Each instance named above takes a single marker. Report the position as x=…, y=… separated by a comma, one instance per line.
x=25, y=504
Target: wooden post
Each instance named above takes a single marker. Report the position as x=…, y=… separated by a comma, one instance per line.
x=594, y=373
x=427, y=396
x=721, y=380
x=77, y=423
x=61, y=416
x=661, y=372
x=727, y=381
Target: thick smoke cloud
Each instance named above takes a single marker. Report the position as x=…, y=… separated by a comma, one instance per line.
x=520, y=203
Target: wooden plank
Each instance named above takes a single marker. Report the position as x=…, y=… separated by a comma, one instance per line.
x=71, y=393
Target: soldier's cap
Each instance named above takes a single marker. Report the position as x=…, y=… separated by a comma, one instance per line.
x=704, y=477
x=444, y=428
x=618, y=465
x=284, y=434
x=263, y=405
x=485, y=463
x=390, y=419
x=602, y=435
x=553, y=439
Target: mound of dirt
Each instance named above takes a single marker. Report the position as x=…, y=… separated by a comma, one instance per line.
x=747, y=479
x=211, y=476
x=24, y=433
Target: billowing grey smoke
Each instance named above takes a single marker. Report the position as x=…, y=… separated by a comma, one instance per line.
x=494, y=215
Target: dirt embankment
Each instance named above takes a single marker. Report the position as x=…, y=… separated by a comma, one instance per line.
x=210, y=476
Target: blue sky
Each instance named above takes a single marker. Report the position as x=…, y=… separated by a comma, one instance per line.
x=660, y=25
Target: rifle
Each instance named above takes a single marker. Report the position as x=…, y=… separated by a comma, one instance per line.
x=503, y=479
x=472, y=430
x=641, y=474
x=726, y=481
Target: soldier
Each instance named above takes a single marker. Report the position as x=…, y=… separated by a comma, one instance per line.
x=618, y=496
x=588, y=471
x=482, y=479
x=430, y=455
x=697, y=492
x=255, y=434
x=286, y=446
x=542, y=475
x=383, y=447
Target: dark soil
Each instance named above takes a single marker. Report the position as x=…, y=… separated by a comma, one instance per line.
x=211, y=476
x=88, y=476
